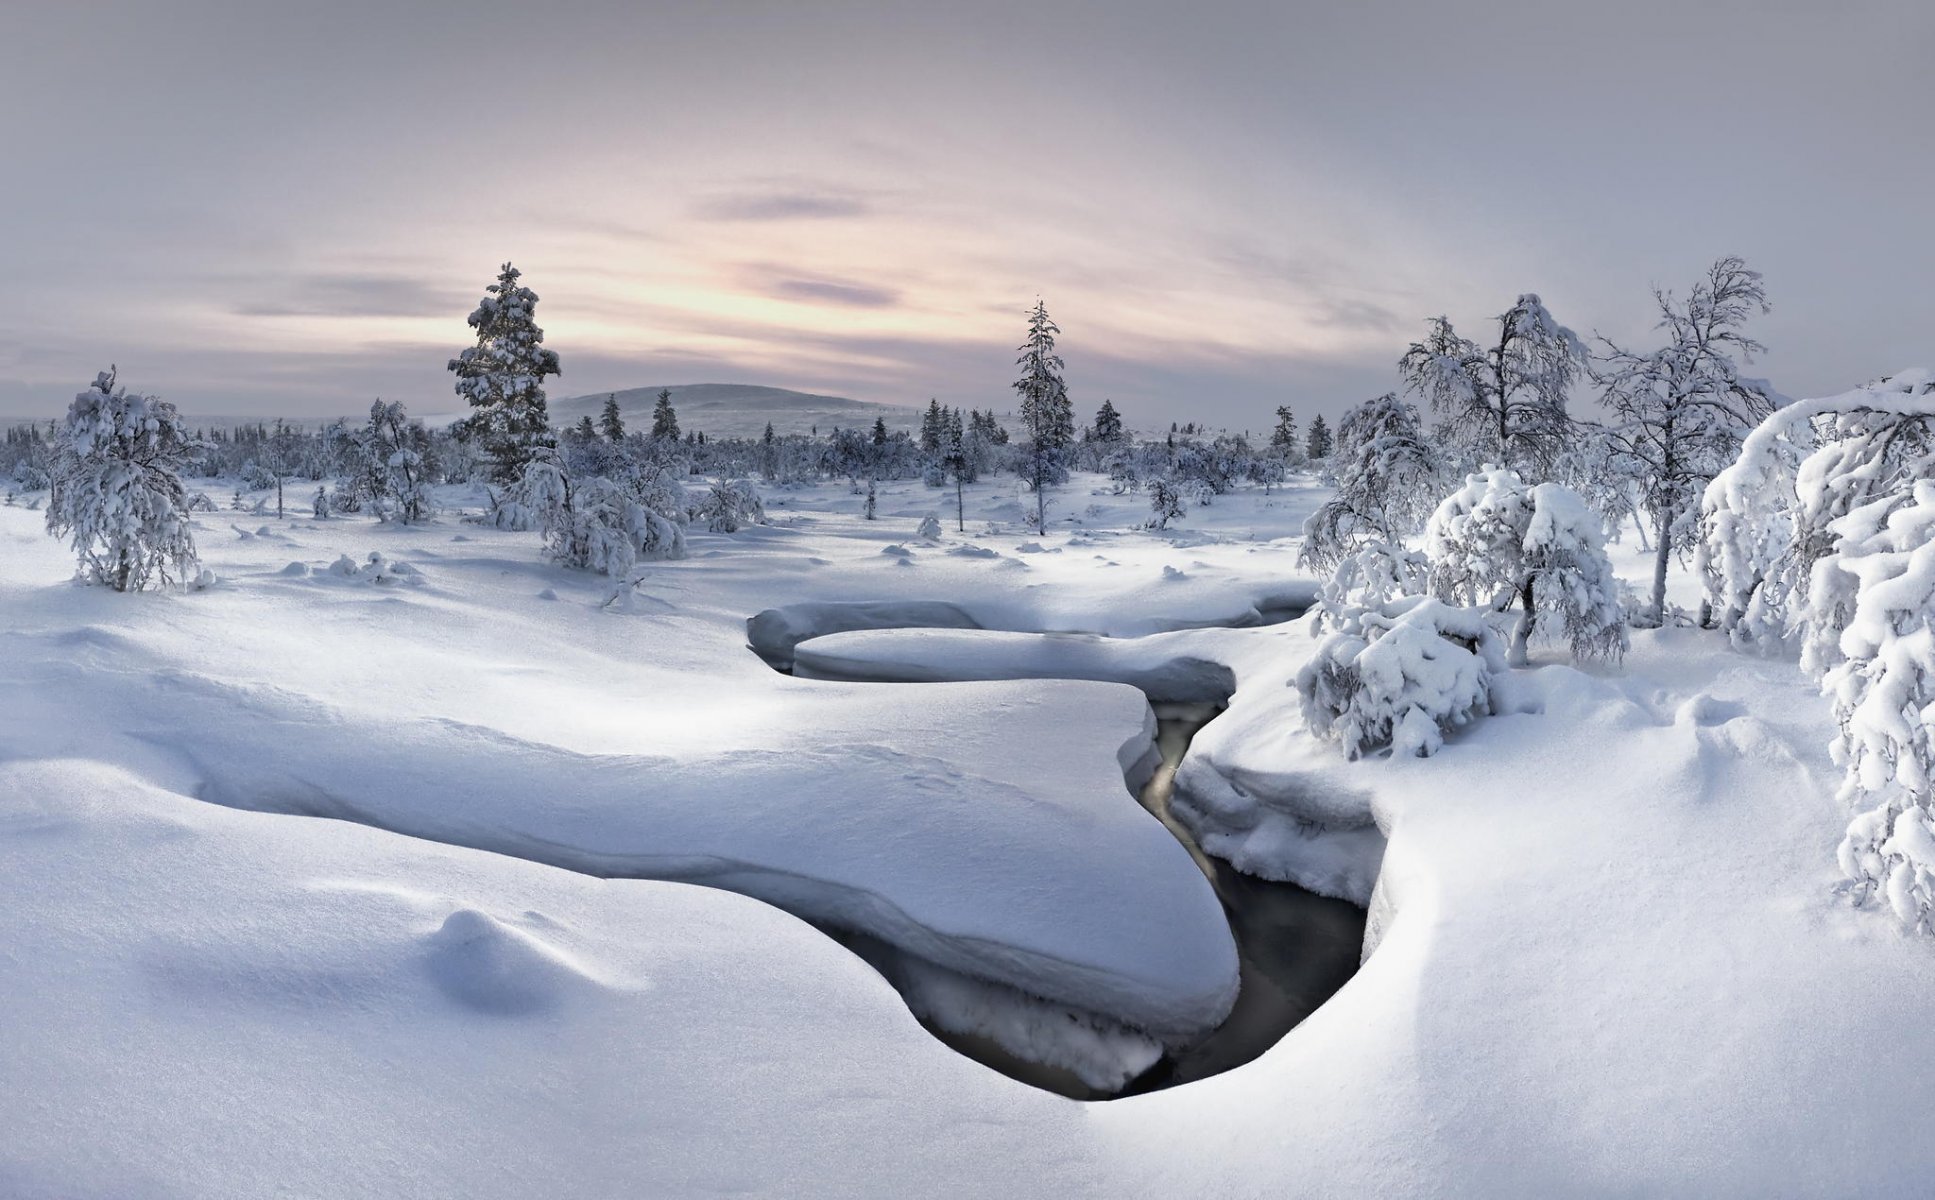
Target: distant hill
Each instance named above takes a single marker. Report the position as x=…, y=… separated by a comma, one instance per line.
x=736, y=409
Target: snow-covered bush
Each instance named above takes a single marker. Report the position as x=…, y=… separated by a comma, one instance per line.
x=930, y=528
x=729, y=506
x=118, y=495
x=1495, y=542
x=1376, y=574
x=603, y=525
x=1403, y=675
x=1767, y=520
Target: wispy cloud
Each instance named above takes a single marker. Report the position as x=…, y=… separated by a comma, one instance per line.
x=347, y=295
x=784, y=205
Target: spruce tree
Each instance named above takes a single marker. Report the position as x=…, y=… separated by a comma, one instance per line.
x=665, y=419
x=933, y=426
x=1108, y=423
x=1045, y=410
x=610, y=422
x=1283, y=439
x=1317, y=445
x=502, y=378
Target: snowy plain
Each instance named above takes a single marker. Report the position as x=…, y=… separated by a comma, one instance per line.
x=1607, y=959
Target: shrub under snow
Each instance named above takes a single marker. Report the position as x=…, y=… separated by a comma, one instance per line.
x=1402, y=674
x=1496, y=541
x=729, y=506
x=602, y=525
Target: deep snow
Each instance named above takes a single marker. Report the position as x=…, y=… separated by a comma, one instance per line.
x=1607, y=954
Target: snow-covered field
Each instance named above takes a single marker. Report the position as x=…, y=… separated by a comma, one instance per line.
x=1607, y=958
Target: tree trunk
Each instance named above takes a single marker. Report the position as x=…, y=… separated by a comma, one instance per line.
x=1521, y=654
x=960, y=507
x=1661, y=553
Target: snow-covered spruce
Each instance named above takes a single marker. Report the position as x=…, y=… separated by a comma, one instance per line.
x=502, y=378
x=1045, y=410
x=1402, y=675
x=117, y=492
x=1496, y=542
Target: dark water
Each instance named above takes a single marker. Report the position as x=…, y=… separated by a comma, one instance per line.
x=1294, y=947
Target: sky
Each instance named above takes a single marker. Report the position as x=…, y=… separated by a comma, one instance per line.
x=288, y=209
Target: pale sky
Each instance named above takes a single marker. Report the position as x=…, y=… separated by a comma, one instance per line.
x=271, y=208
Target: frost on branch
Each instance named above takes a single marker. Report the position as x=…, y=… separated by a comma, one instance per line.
x=1496, y=542
x=1403, y=675
x=117, y=489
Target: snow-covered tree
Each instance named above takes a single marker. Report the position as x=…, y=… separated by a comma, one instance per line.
x=1767, y=520
x=1883, y=691
x=1680, y=412
x=117, y=495
x=1507, y=400
x=1387, y=482
x=602, y=525
x=1108, y=424
x=1401, y=674
x=665, y=418
x=1045, y=411
x=1496, y=542
x=1317, y=443
x=611, y=422
x=1369, y=577
x=1283, y=436
x=959, y=451
x=730, y=505
x=502, y=378
x=1165, y=503
x=933, y=427
x=396, y=472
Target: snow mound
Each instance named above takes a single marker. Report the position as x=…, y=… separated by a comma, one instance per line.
x=492, y=967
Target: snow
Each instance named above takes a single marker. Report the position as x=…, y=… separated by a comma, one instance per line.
x=1605, y=952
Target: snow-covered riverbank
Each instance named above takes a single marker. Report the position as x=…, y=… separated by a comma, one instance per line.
x=1607, y=957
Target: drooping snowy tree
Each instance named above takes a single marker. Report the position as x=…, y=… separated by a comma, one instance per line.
x=1507, y=400
x=665, y=419
x=1768, y=520
x=1496, y=542
x=611, y=422
x=1679, y=413
x=1045, y=411
x=1165, y=503
x=502, y=378
x=1387, y=482
x=600, y=524
x=117, y=494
